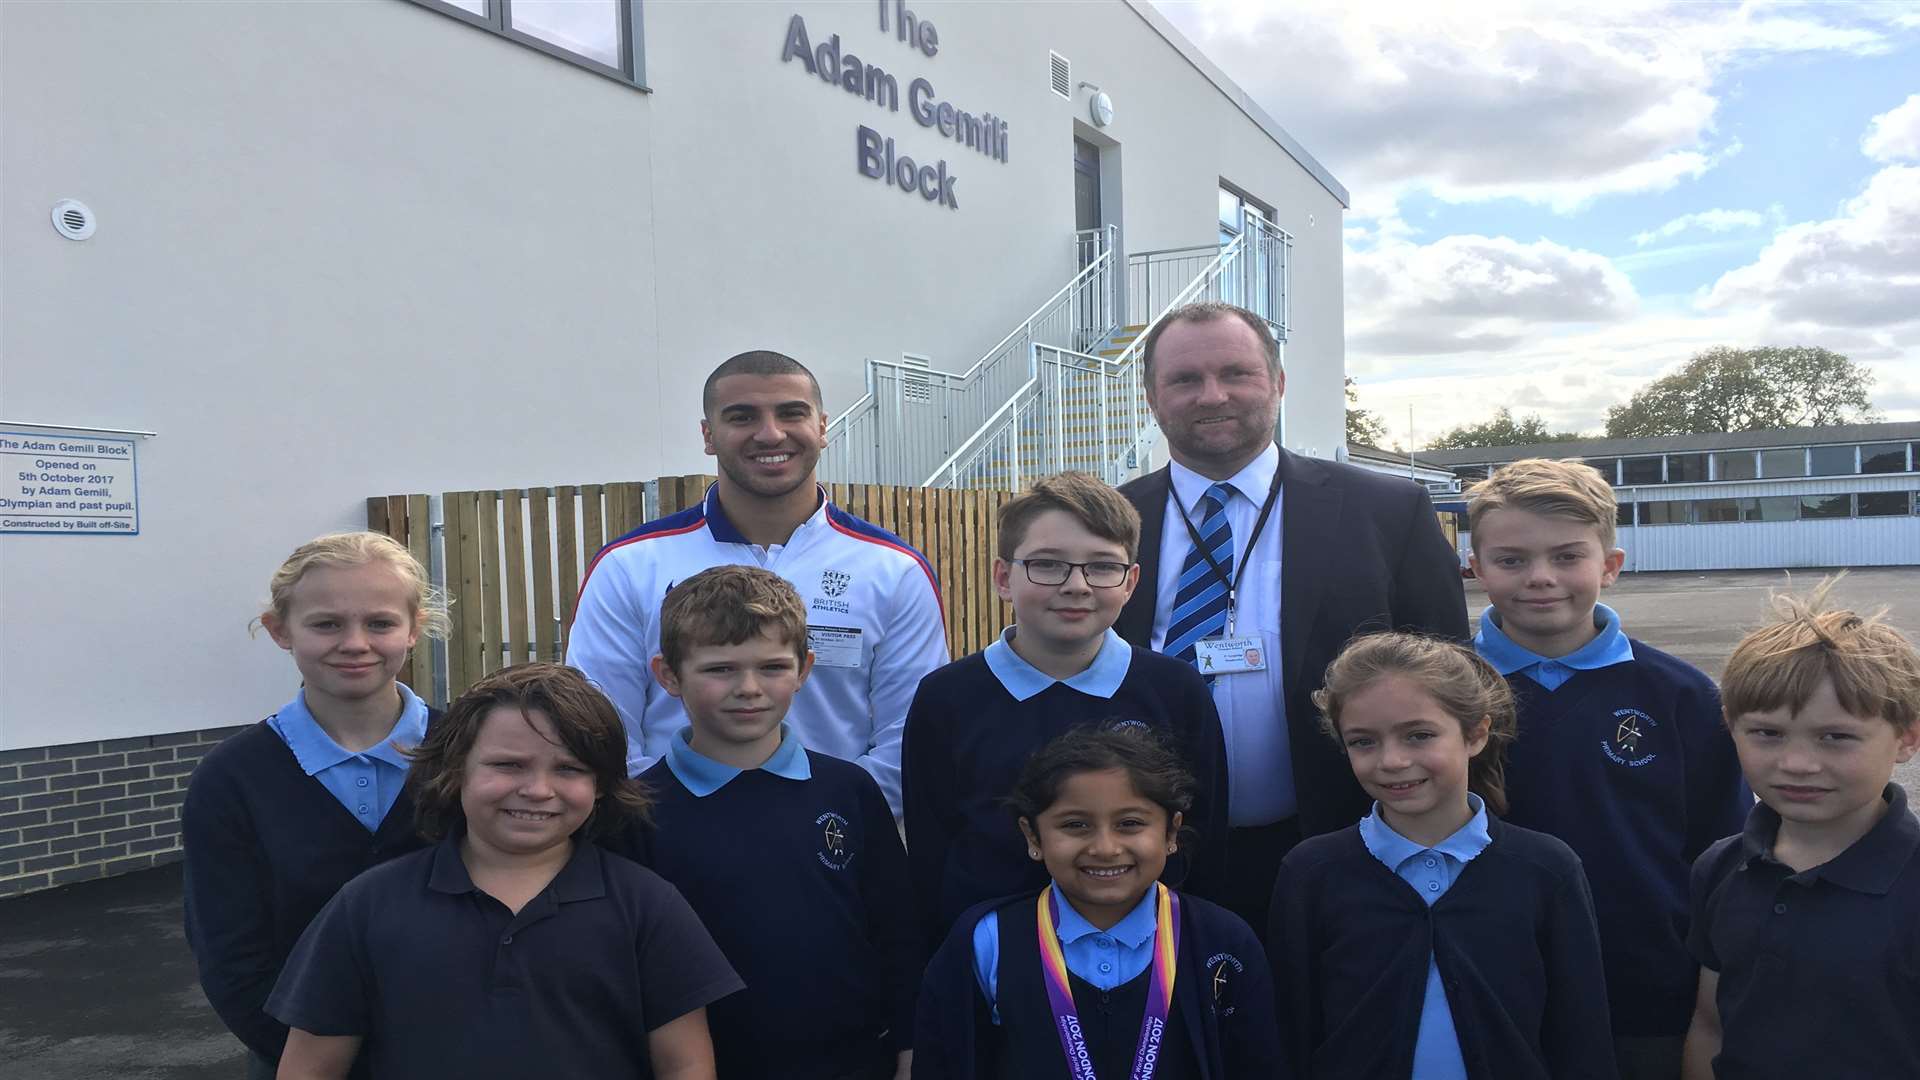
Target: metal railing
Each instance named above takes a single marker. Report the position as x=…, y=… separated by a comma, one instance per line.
x=913, y=417
x=1072, y=414
x=1078, y=411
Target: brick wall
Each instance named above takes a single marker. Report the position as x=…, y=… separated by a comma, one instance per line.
x=88, y=810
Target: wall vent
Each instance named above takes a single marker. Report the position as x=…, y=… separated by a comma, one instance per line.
x=915, y=388
x=72, y=219
x=1062, y=75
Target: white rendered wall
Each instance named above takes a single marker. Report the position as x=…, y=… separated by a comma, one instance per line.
x=358, y=248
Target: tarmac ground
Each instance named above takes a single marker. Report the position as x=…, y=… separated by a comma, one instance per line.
x=96, y=980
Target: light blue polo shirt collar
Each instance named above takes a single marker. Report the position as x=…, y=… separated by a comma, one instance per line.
x=316, y=751
x=1393, y=849
x=1133, y=930
x=703, y=776
x=1608, y=648
x=1102, y=678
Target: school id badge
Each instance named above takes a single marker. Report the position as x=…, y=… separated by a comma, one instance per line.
x=1229, y=655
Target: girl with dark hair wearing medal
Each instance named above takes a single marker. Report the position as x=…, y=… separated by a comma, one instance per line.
x=1106, y=972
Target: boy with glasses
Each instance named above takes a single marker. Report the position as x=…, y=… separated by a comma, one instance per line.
x=1066, y=561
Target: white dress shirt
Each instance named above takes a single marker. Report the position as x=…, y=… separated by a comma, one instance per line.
x=1253, y=713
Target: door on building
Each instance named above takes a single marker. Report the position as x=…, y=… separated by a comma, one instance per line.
x=1256, y=285
x=1089, y=239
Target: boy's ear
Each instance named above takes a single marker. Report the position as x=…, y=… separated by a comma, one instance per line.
x=277, y=630
x=663, y=674
x=1033, y=839
x=1616, y=561
x=1132, y=583
x=806, y=666
x=1906, y=744
x=1003, y=579
x=1473, y=563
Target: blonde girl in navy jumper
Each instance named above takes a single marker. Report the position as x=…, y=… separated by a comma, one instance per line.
x=1105, y=972
x=1433, y=940
x=279, y=816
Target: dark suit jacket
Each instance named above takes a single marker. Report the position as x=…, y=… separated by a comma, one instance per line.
x=1362, y=551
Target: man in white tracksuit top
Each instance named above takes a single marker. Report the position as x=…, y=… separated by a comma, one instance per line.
x=874, y=621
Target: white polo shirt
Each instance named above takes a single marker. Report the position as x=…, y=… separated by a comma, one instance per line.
x=874, y=622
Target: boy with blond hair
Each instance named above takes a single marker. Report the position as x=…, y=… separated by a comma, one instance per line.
x=790, y=856
x=1805, y=924
x=1067, y=562
x=1620, y=752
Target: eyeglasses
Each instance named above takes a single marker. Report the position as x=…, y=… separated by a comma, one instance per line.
x=1098, y=575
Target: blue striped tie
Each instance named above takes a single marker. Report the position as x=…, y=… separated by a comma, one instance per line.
x=1200, y=603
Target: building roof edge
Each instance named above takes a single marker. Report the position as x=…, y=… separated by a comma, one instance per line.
x=1239, y=97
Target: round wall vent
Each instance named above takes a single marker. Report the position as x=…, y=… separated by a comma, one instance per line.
x=72, y=219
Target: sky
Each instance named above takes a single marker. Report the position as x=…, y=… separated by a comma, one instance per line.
x=1554, y=204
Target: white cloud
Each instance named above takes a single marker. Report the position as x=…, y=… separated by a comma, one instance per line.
x=1860, y=269
x=1713, y=221
x=1894, y=135
x=1469, y=293
x=1550, y=103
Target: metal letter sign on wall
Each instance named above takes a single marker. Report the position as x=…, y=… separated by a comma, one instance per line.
x=875, y=154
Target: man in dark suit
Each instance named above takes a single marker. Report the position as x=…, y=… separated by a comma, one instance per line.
x=1257, y=566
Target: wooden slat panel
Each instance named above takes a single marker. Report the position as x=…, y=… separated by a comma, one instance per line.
x=540, y=573
x=473, y=578
x=566, y=504
x=450, y=510
x=593, y=529
x=420, y=543
x=487, y=510
x=377, y=516
x=513, y=534
x=976, y=603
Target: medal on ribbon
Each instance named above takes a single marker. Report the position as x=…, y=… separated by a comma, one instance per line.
x=1153, y=1020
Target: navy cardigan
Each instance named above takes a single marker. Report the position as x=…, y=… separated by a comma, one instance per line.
x=1514, y=939
x=266, y=847
x=1222, y=991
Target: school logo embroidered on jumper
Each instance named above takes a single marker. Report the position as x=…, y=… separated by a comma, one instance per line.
x=1627, y=743
x=836, y=845
x=1125, y=723
x=1223, y=974
x=834, y=582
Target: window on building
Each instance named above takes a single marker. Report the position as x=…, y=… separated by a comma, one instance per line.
x=1771, y=508
x=1609, y=467
x=1735, y=465
x=1715, y=511
x=1686, y=468
x=1664, y=513
x=1883, y=457
x=1825, y=506
x=1783, y=462
x=1885, y=503
x=599, y=35
x=1623, y=514
x=1469, y=473
x=1832, y=460
x=1639, y=470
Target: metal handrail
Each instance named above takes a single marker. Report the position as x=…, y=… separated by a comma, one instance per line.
x=987, y=431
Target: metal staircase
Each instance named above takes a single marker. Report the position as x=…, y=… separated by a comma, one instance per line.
x=1088, y=409
x=913, y=416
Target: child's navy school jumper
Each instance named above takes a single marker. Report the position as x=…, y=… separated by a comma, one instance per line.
x=969, y=735
x=267, y=845
x=1631, y=765
x=1513, y=938
x=1220, y=1028
x=440, y=979
x=1819, y=970
x=797, y=871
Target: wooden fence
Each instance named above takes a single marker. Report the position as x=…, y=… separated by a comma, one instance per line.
x=512, y=560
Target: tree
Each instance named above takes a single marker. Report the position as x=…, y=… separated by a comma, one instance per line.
x=1362, y=426
x=1726, y=389
x=1502, y=430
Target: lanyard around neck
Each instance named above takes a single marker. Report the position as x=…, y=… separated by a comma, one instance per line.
x=1199, y=543
x=1153, y=1020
